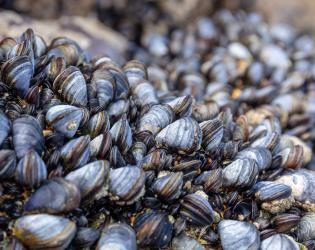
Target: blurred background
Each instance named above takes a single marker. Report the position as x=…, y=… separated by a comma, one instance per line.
x=113, y=27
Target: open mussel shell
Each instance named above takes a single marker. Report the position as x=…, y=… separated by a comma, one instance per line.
x=65, y=119
x=85, y=237
x=126, y=185
x=104, y=85
x=157, y=118
x=185, y=242
x=285, y=222
x=122, y=135
x=71, y=87
x=5, y=127
x=55, y=196
x=212, y=133
x=182, y=106
x=302, y=184
x=101, y=145
x=262, y=156
x=279, y=241
x=169, y=186
x=238, y=235
x=43, y=231
x=31, y=170
x=197, y=209
x=182, y=136
x=17, y=73
x=27, y=134
x=145, y=94
x=7, y=163
x=306, y=227
x=241, y=173
x=117, y=236
x=153, y=229
x=98, y=124
x=90, y=178
x=76, y=152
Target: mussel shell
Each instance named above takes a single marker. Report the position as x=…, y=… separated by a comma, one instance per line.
x=15, y=244
x=182, y=106
x=101, y=145
x=98, y=124
x=7, y=163
x=145, y=94
x=115, y=158
x=213, y=181
x=155, y=160
x=68, y=49
x=85, y=237
x=27, y=134
x=292, y=157
x=157, y=118
x=90, y=178
x=205, y=111
x=76, y=152
x=169, y=186
x=261, y=155
x=241, y=173
x=182, y=136
x=17, y=73
x=40, y=231
x=55, y=196
x=153, y=229
x=197, y=210
x=122, y=135
x=284, y=222
x=65, y=119
x=5, y=127
x=117, y=109
x=306, y=227
x=184, y=242
x=31, y=170
x=70, y=85
x=238, y=235
x=126, y=185
x=212, y=133
x=268, y=191
x=55, y=67
x=135, y=71
x=117, y=236
x=279, y=241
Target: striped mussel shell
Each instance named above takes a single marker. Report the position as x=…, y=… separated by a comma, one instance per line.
x=291, y=157
x=104, y=86
x=115, y=158
x=145, y=93
x=6, y=46
x=71, y=86
x=98, y=124
x=27, y=134
x=157, y=159
x=90, y=178
x=101, y=145
x=117, y=109
x=85, y=237
x=227, y=150
x=153, y=229
x=65, y=119
x=168, y=186
x=44, y=231
x=7, y=163
x=76, y=152
x=138, y=151
x=17, y=73
x=121, y=81
x=241, y=130
x=55, y=67
x=197, y=209
x=213, y=181
x=212, y=132
x=15, y=244
x=183, y=136
x=183, y=241
x=31, y=170
x=182, y=106
x=279, y=241
x=301, y=182
x=306, y=227
x=126, y=185
x=285, y=222
x=269, y=141
x=156, y=119
x=54, y=197
x=117, y=236
x=5, y=127
x=290, y=103
x=135, y=72
x=190, y=168
x=260, y=155
x=241, y=173
x=122, y=135
x=238, y=235
x=205, y=111
x=66, y=48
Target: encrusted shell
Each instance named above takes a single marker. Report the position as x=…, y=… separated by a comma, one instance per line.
x=183, y=136
x=238, y=235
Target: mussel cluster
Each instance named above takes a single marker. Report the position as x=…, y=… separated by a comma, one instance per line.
x=208, y=145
